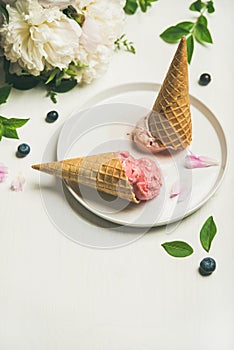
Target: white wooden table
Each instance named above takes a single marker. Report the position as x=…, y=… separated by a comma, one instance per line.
x=56, y=294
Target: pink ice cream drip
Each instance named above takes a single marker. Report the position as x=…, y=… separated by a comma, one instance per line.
x=143, y=174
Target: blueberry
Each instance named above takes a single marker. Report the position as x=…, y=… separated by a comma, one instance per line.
x=204, y=79
x=52, y=116
x=22, y=150
x=207, y=266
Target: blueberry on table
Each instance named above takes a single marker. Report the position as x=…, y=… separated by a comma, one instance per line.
x=207, y=266
x=22, y=150
x=52, y=116
x=204, y=79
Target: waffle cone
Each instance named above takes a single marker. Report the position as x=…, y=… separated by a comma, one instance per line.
x=170, y=120
x=103, y=172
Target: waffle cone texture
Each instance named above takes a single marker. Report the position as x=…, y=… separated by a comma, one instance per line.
x=103, y=172
x=170, y=120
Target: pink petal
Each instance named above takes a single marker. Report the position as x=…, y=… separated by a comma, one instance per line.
x=192, y=161
x=3, y=172
x=181, y=191
x=18, y=183
x=175, y=190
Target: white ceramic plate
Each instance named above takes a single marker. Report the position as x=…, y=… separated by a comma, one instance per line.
x=106, y=126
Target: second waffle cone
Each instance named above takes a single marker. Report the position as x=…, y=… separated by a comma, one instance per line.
x=103, y=172
x=170, y=120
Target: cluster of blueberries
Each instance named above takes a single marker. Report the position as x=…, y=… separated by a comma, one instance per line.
x=24, y=149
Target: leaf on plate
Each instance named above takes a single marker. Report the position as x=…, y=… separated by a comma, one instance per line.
x=207, y=233
x=178, y=249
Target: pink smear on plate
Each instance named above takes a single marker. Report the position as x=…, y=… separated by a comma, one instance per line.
x=182, y=191
x=192, y=161
x=17, y=184
x=3, y=172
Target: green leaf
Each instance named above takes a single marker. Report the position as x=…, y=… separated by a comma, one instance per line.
x=4, y=93
x=22, y=82
x=207, y=233
x=10, y=133
x=123, y=43
x=52, y=75
x=3, y=119
x=14, y=123
x=197, y=6
x=202, y=34
x=178, y=249
x=202, y=20
x=4, y=12
x=144, y=4
x=190, y=47
x=1, y=130
x=52, y=94
x=173, y=34
x=210, y=7
x=65, y=85
x=130, y=7
x=185, y=25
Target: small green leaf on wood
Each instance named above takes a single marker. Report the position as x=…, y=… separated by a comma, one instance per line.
x=130, y=7
x=15, y=123
x=10, y=133
x=65, y=85
x=4, y=12
x=178, y=249
x=207, y=233
x=173, y=34
x=202, y=34
x=185, y=25
x=1, y=130
x=4, y=93
x=202, y=20
x=210, y=7
x=8, y=127
x=197, y=6
x=190, y=47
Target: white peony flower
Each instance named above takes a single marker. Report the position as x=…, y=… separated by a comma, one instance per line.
x=37, y=38
x=103, y=25
x=62, y=4
x=40, y=36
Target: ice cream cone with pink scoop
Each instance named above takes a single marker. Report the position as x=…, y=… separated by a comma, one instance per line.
x=114, y=173
x=169, y=125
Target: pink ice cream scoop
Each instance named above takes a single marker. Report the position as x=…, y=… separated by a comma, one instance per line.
x=143, y=137
x=143, y=174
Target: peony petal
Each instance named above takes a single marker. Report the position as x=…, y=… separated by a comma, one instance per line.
x=3, y=172
x=175, y=190
x=18, y=183
x=182, y=191
x=192, y=161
